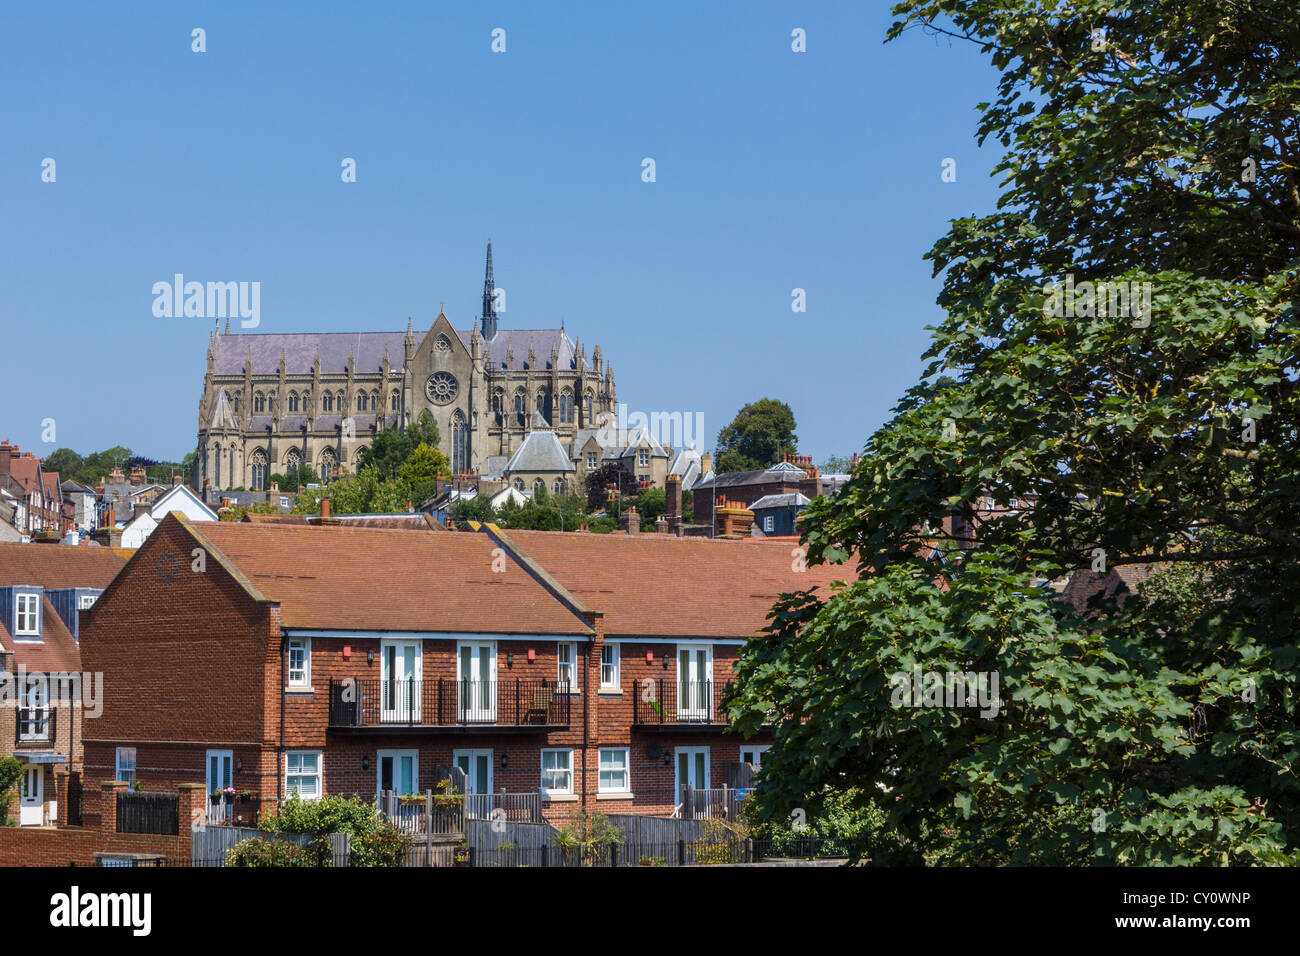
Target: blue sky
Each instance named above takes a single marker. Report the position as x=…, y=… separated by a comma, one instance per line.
x=775, y=170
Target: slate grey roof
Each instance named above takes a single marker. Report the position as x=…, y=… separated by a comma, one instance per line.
x=625, y=442
x=780, y=501
x=493, y=465
x=541, y=340
x=300, y=351
x=335, y=347
x=784, y=471
x=75, y=487
x=686, y=464
x=541, y=451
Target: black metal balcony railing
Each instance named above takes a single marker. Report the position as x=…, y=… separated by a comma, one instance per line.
x=35, y=725
x=449, y=703
x=680, y=702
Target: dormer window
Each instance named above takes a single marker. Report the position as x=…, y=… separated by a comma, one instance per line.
x=85, y=601
x=643, y=457
x=27, y=620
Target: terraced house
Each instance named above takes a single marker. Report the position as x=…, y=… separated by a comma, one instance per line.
x=555, y=671
x=45, y=593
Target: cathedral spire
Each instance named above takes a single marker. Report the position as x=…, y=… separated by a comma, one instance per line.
x=489, y=319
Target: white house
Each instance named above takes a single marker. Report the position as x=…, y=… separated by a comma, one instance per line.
x=179, y=498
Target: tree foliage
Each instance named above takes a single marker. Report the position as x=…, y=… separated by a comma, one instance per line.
x=1163, y=730
x=757, y=437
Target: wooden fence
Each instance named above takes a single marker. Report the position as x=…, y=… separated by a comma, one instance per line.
x=209, y=845
x=141, y=812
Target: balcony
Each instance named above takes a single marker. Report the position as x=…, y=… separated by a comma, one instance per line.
x=36, y=727
x=679, y=705
x=461, y=705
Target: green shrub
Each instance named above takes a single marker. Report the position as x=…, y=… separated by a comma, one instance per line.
x=259, y=852
x=373, y=841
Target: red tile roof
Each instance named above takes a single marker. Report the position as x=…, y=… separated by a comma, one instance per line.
x=58, y=565
x=661, y=585
x=345, y=578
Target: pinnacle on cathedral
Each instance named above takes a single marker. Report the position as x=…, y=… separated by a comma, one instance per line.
x=489, y=320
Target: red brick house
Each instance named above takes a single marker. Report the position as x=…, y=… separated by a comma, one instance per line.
x=45, y=590
x=278, y=658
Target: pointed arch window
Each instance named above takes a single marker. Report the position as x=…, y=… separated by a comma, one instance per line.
x=329, y=464
x=393, y=400
x=566, y=406
x=459, y=443
x=259, y=402
x=293, y=401
x=521, y=406
x=539, y=484
x=328, y=402
x=258, y=462
x=587, y=419
x=361, y=401
x=544, y=405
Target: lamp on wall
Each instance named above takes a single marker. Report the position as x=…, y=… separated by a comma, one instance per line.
x=510, y=658
x=370, y=656
x=505, y=761
x=239, y=764
x=365, y=763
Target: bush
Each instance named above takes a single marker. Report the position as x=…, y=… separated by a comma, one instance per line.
x=10, y=771
x=259, y=852
x=374, y=842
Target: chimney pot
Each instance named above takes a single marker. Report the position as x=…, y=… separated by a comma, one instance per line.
x=324, y=508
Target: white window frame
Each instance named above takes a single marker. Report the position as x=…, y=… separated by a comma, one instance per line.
x=229, y=757
x=32, y=602
x=616, y=685
x=319, y=773
x=758, y=750
x=85, y=601
x=769, y=522
x=626, y=771
x=591, y=461
x=305, y=679
x=572, y=665
x=557, y=791
x=123, y=771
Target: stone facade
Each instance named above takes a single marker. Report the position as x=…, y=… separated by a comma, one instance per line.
x=273, y=401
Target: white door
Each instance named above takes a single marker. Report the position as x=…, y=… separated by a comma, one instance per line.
x=32, y=801
x=694, y=682
x=399, y=681
x=476, y=676
x=399, y=771
x=692, y=768
x=751, y=754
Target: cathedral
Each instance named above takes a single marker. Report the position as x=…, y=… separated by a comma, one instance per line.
x=275, y=401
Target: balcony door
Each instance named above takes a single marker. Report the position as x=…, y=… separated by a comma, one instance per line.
x=694, y=682
x=399, y=771
x=399, y=681
x=477, y=765
x=692, y=768
x=476, y=677
x=220, y=767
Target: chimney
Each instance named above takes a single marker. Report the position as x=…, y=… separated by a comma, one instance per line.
x=673, y=504
x=6, y=456
x=661, y=525
x=706, y=463
x=325, y=509
x=176, y=479
x=630, y=521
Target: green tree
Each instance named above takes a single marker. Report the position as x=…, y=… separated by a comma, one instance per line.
x=393, y=446
x=66, y=462
x=1163, y=730
x=425, y=463
x=11, y=769
x=757, y=437
x=362, y=493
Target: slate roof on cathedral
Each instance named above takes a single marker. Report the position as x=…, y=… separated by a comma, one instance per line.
x=299, y=350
